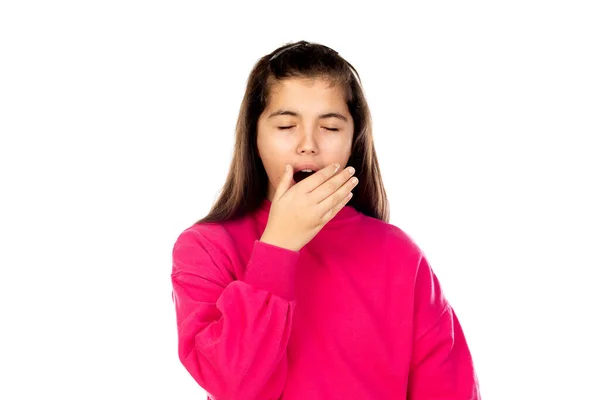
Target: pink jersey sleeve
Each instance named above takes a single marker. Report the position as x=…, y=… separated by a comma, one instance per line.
x=441, y=365
x=233, y=333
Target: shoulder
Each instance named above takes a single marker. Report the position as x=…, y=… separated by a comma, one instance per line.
x=395, y=239
x=399, y=238
x=394, y=246
x=200, y=233
x=205, y=238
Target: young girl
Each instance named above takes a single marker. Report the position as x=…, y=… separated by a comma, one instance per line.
x=295, y=285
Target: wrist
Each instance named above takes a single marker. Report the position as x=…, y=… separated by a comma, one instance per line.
x=278, y=243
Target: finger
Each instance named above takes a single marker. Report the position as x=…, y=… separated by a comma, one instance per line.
x=340, y=196
x=316, y=179
x=337, y=208
x=285, y=183
x=308, y=185
x=331, y=186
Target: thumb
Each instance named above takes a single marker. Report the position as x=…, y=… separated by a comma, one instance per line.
x=285, y=183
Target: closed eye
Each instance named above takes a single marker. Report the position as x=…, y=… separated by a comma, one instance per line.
x=288, y=127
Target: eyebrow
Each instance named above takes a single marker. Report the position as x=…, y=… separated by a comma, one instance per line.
x=322, y=116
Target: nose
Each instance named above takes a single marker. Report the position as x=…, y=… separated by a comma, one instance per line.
x=307, y=144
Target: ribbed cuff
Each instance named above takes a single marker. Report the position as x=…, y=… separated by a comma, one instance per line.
x=273, y=269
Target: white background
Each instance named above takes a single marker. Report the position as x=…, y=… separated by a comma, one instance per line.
x=117, y=122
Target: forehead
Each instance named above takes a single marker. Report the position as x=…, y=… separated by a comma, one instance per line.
x=306, y=94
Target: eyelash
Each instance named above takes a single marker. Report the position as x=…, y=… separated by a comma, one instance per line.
x=288, y=127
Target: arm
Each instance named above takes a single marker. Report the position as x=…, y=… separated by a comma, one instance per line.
x=441, y=365
x=233, y=334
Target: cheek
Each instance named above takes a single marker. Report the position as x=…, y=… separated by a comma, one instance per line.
x=341, y=146
x=272, y=164
x=269, y=143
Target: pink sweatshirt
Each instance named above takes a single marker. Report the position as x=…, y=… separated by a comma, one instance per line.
x=357, y=313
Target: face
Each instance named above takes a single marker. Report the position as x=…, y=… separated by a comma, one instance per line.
x=294, y=128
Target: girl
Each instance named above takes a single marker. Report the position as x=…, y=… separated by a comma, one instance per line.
x=295, y=285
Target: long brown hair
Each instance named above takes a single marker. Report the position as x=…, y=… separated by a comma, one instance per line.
x=247, y=181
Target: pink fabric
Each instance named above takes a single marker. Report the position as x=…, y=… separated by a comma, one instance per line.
x=357, y=313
